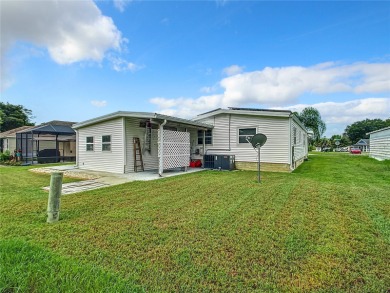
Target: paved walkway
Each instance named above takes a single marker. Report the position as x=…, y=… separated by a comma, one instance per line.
x=80, y=186
x=95, y=179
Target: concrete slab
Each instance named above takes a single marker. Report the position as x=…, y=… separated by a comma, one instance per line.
x=103, y=179
x=80, y=186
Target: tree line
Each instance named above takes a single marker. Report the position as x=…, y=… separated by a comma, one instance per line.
x=14, y=116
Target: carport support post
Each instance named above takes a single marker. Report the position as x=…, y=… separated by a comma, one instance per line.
x=53, y=204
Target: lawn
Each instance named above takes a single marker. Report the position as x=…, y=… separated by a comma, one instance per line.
x=324, y=228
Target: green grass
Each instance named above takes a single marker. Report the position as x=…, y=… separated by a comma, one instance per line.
x=324, y=228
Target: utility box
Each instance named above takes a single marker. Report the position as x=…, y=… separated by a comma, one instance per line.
x=221, y=162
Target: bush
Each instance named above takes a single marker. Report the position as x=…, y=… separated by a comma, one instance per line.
x=5, y=156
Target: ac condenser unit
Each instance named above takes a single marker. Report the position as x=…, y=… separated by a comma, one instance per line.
x=221, y=162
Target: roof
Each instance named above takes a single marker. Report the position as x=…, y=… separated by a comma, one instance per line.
x=363, y=141
x=145, y=115
x=12, y=132
x=386, y=128
x=245, y=111
x=52, y=127
x=251, y=111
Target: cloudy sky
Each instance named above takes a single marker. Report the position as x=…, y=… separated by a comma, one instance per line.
x=75, y=60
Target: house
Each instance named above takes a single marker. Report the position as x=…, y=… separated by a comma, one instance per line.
x=363, y=145
x=287, y=139
x=380, y=144
x=48, y=142
x=125, y=142
x=8, y=138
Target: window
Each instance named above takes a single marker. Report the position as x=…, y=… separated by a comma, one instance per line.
x=89, y=143
x=245, y=133
x=106, y=143
x=208, y=137
x=295, y=135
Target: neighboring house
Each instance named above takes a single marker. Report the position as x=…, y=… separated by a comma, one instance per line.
x=363, y=145
x=8, y=138
x=48, y=142
x=109, y=143
x=287, y=139
x=380, y=144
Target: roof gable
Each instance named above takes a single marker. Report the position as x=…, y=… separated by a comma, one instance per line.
x=363, y=142
x=12, y=132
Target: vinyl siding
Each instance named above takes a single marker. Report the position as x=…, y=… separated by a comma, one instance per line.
x=9, y=144
x=134, y=130
x=275, y=150
x=300, y=147
x=98, y=160
x=150, y=160
x=380, y=145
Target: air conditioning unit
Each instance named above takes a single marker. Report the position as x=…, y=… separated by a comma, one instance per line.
x=220, y=162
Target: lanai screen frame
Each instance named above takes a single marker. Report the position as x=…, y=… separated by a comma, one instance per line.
x=25, y=141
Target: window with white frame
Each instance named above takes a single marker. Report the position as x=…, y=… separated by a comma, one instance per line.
x=106, y=143
x=245, y=134
x=208, y=136
x=89, y=143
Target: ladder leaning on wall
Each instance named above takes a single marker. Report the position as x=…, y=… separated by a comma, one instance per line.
x=138, y=162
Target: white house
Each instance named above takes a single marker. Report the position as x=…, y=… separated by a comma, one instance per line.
x=125, y=142
x=110, y=143
x=363, y=145
x=287, y=139
x=380, y=144
x=8, y=138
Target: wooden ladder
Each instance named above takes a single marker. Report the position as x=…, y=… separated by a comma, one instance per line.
x=138, y=162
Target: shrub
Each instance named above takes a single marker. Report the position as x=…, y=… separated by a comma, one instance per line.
x=5, y=156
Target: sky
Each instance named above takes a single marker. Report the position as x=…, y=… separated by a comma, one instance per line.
x=76, y=60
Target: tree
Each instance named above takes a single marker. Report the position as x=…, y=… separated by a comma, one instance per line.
x=359, y=129
x=13, y=116
x=312, y=120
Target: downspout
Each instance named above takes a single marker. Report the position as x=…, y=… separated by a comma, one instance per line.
x=161, y=162
x=124, y=144
x=226, y=150
x=77, y=148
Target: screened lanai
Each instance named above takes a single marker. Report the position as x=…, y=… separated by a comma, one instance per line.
x=49, y=142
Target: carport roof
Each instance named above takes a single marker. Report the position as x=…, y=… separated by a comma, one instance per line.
x=147, y=115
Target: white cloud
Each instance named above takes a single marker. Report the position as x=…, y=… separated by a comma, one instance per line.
x=99, y=104
x=281, y=86
x=121, y=4
x=337, y=115
x=186, y=107
x=119, y=64
x=232, y=70
x=209, y=89
x=71, y=31
x=349, y=111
